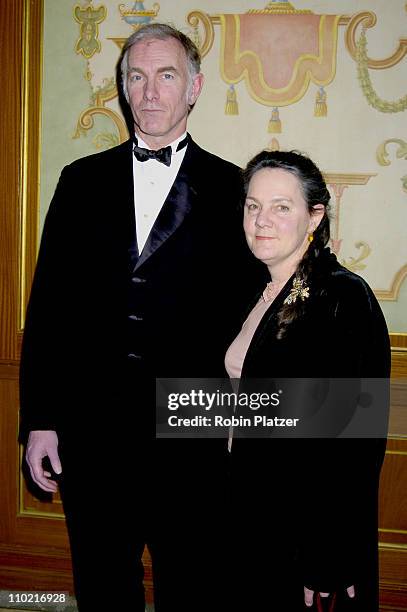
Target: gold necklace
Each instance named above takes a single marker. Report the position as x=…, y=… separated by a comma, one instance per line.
x=272, y=289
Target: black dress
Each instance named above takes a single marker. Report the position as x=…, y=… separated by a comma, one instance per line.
x=305, y=510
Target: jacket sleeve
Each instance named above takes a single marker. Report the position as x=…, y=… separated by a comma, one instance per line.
x=41, y=380
x=341, y=476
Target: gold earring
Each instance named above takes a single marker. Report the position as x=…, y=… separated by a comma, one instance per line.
x=311, y=237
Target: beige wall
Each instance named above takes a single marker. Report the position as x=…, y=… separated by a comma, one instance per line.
x=369, y=219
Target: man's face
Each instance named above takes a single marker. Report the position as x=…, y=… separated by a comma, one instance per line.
x=160, y=90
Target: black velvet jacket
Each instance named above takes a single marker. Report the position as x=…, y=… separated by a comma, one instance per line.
x=322, y=492
x=341, y=331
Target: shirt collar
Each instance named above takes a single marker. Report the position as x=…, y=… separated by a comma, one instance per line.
x=173, y=145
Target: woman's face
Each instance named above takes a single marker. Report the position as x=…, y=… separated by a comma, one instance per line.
x=276, y=218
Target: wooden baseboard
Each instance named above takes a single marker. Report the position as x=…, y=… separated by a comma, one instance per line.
x=393, y=597
x=36, y=570
x=40, y=570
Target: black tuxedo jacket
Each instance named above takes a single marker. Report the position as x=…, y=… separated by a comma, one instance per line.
x=102, y=318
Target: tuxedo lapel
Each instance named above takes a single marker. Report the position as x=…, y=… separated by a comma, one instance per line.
x=176, y=206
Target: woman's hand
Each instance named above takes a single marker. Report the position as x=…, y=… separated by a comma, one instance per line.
x=309, y=595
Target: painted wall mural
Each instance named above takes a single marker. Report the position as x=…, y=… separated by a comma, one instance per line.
x=277, y=52
x=89, y=18
x=328, y=78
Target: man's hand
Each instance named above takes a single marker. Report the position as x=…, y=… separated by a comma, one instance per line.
x=43, y=444
x=309, y=595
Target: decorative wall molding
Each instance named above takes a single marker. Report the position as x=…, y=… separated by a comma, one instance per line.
x=89, y=18
x=31, y=86
x=368, y=20
x=382, y=155
x=197, y=17
x=393, y=293
x=338, y=182
x=378, y=103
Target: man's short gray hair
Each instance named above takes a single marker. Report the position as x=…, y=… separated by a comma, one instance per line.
x=160, y=31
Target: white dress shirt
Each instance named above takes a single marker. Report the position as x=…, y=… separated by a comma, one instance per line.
x=152, y=183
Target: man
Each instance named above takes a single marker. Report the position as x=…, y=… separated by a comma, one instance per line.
x=137, y=278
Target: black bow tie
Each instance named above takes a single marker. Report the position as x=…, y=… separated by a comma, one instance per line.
x=162, y=155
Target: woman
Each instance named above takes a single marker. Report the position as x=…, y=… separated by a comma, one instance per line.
x=305, y=508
